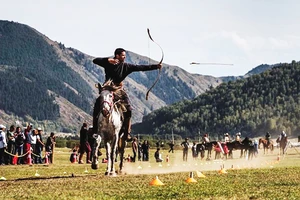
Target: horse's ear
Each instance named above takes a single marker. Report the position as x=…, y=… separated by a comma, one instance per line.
x=99, y=86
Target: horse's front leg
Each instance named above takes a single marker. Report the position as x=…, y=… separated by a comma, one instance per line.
x=113, y=155
x=109, y=158
x=95, y=150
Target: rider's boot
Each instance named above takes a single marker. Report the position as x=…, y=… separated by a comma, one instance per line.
x=127, y=126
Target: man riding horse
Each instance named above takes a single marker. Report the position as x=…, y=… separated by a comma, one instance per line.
x=268, y=137
x=116, y=69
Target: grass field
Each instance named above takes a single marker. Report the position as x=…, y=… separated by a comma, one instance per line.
x=263, y=177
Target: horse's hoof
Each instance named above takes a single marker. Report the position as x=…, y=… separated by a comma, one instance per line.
x=113, y=174
x=106, y=174
x=94, y=166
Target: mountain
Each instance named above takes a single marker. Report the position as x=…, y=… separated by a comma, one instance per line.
x=52, y=86
x=269, y=101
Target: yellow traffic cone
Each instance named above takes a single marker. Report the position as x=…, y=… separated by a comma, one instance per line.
x=222, y=171
x=200, y=175
x=2, y=178
x=156, y=181
x=191, y=178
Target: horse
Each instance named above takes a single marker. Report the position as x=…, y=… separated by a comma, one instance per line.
x=266, y=145
x=234, y=145
x=110, y=122
x=208, y=146
x=248, y=146
x=282, y=140
x=200, y=150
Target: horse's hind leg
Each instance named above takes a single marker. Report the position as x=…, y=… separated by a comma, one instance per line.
x=121, y=147
x=95, y=150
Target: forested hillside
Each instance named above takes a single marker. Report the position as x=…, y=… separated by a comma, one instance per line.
x=30, y=67
x=269, y=101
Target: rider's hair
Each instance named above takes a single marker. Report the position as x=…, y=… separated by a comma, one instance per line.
x=118, y=51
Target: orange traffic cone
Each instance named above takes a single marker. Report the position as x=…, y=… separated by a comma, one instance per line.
x=167, y=158
x=222, y=171
x=156, y=181
x=278, y=157
x=74, y=158
x=191, y=178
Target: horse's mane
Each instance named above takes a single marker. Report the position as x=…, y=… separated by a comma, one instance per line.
x=118, y=92
x=109, y=85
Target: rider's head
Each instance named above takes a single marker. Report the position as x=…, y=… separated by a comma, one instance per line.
x=120, y=54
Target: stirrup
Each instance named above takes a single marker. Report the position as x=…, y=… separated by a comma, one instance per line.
x=129, y=138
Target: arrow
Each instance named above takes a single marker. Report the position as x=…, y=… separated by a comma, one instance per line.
x=196, y=63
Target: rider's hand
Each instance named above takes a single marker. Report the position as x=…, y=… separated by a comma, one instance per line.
x=113, y=61
x=159, y=66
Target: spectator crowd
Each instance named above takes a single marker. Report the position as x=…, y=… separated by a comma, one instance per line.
x=24, y=145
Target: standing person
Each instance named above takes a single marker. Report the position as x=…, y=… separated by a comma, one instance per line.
x=26, y=144
x=116, y=69
x=3, y=144
x=39, y=146
x=171, y=145
x=145, y=150
x=134, y=148
x=91, y=141
x=10, y=144
x=50, y=146
x=19, y=142
x=32, y=140
x=185, y=145
x=84, y=145
x=140, y=151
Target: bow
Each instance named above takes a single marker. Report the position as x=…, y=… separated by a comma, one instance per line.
x=160, y=62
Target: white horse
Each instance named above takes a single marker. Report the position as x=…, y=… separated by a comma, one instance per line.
x=109, y=126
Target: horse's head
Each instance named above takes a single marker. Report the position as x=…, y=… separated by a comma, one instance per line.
x=107, y=102
x=108, y=96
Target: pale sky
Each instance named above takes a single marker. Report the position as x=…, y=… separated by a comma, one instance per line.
x=245, y=33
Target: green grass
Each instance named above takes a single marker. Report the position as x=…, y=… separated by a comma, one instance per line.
x=261, y=178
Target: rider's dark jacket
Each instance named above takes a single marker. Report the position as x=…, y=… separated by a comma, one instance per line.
x=117, y=73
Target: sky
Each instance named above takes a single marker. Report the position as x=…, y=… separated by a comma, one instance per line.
x=242, y=33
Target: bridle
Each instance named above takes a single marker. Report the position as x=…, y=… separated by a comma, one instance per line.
x=107, y=110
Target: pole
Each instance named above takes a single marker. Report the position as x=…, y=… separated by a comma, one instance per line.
x=172, y=136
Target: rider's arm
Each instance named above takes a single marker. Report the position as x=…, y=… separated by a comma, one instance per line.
x=133, y=68
x=101, y=61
